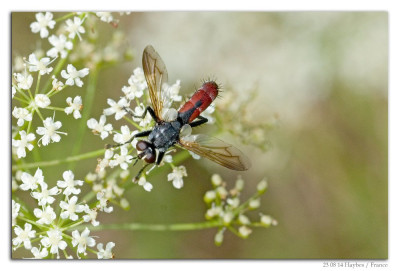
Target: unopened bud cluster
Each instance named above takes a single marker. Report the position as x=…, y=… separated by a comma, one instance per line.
x=225, y=207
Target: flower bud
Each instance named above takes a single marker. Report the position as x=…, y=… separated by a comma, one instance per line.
x=266, y=220
x=244, y=220
x=227, y=218
x=216, y=179
x=124, y=204
x=221, y=191
x=209, y=196
x=244, y=231
x=255, y=203
x=262, y=186
x=239, y=185
x=219, y=237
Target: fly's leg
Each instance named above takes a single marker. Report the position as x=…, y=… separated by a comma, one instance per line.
x=140, y=172
x=141, y=134
x=159, y=158
x=201, y=120
x=148, y=109
x=158, y=162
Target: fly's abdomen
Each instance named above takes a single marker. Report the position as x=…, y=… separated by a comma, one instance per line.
x=200, y=100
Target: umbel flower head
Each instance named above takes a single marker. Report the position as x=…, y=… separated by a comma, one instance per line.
x=44, y=236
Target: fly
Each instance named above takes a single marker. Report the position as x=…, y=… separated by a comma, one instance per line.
x=174, y=127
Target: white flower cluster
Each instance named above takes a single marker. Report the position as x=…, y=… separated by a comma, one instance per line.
x=32, y=100
x=224, y=206
x=135, y=93
x=55, y=228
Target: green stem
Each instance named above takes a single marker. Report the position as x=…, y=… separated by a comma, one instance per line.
x=69, y=15
x=55, y=108
x=37, y=83
x=133, y=123
x=155, y=227
x=21, y=100
x=89, y=100
x=60, y=161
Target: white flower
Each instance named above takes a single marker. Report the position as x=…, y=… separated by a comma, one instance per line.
x=61, y=45
x=45, y=216
x=54, y=240
x=37, y=254
x=23, y=143
x=22, y=114
x=39, y=65
x=207, y=114
x=45, y=196
x=138, y=79
x=100, y=127
x=125, y=135
x=43, y=21
x=134, y=90
x=74, y=107
x=138, y=111
x=105, y=253
x=13, y=91
x=82, y=240
x=102, y=205
x=167, y=158
x=74, y=76
x=171, y=94
x=91, y=216
x=24, y=235
x=145, y=184
x=57, y=85
x=24, y=80
x=14, y=211
x=105, y=16
x=108, y=154
x=75, y=27
x=116, y=108
x=49, y=131
x=30, y=182
x=71, y=208
x=121, y=159
x=69, y=183
x=42, y=101
x=177, y=176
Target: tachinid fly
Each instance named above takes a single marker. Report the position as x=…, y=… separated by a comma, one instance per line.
x=174, y=127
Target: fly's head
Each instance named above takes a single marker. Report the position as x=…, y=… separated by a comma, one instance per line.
x=146, y=151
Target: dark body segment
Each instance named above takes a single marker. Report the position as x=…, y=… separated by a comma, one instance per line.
x=165, y=135
x=200, y=100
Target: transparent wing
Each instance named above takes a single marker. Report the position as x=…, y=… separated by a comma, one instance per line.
x=156, y=75
x=216, y=150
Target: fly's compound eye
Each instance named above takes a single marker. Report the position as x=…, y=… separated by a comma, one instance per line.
x=142, y=145
x=150, y=156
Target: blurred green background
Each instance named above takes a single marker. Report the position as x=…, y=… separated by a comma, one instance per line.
x=325, y=74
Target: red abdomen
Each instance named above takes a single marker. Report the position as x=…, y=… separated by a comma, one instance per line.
x=200, y=100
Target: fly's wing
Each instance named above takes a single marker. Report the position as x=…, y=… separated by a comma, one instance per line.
x=156, y=75
x=216, y=150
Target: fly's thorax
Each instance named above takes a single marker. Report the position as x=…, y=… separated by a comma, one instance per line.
x=165, y=135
